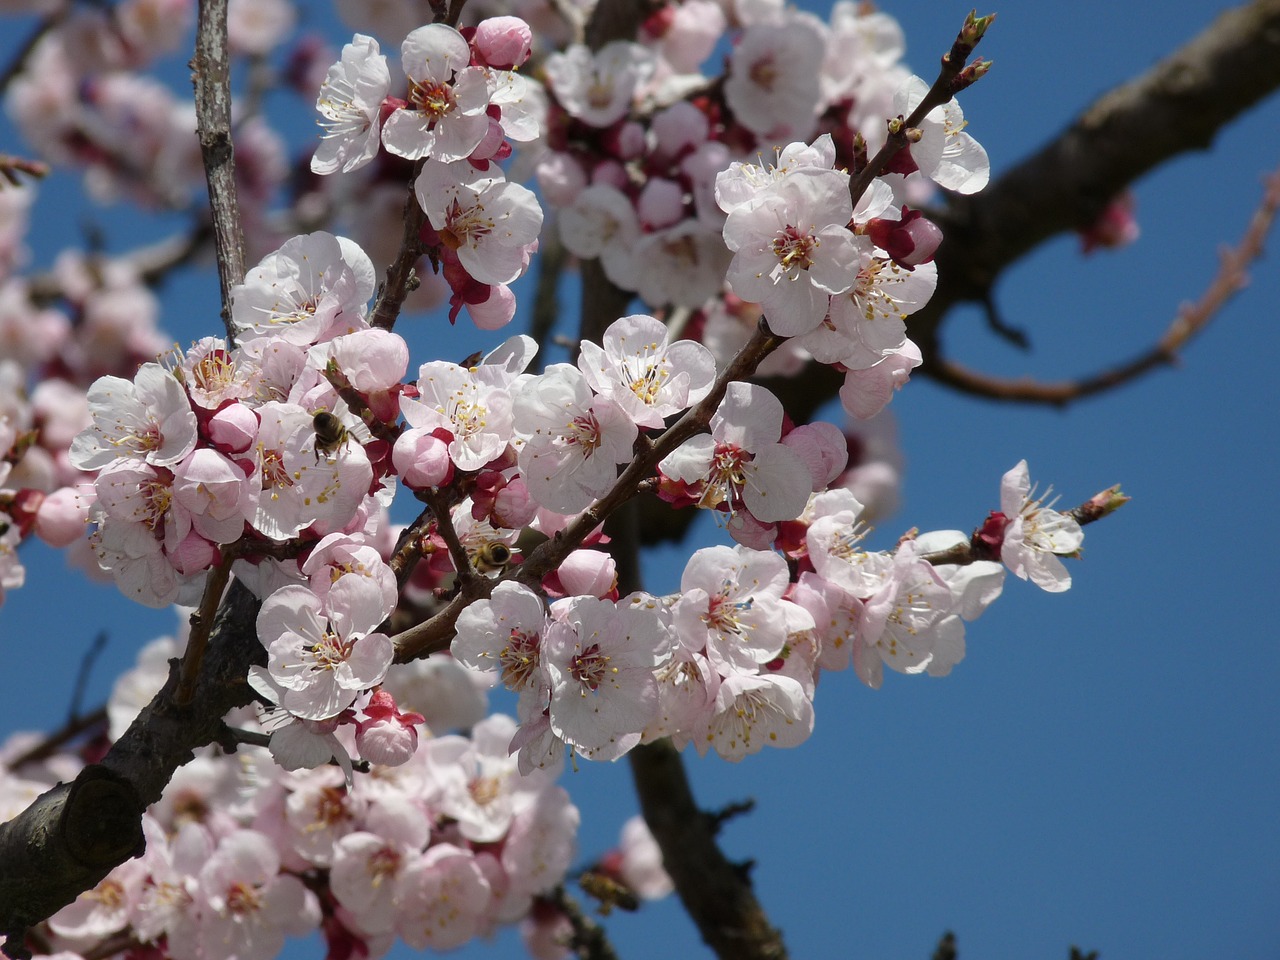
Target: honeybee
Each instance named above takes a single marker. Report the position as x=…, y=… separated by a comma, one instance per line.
x=491, y=557
x=330, y=434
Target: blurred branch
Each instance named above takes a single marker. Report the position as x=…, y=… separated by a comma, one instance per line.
x=1178, y=105
x=715, y=892
x=210, y=73
x=1190, y=320
x=13, y=169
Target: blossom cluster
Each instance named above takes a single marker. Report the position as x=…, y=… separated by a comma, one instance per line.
x=275, y=453
x=435, y=850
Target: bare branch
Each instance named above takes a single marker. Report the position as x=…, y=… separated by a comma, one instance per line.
x=1177, y=106
x=1189, y=321
x=715, y=892
x=211, y=75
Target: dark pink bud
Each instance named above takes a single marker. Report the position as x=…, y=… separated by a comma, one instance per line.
x=911, y=241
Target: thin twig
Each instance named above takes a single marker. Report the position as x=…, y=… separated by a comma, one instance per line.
x=211, y=74
x=201, y=626
x=50, y=745
x=942, y=91
x=400, y=277
x=1189, y=321
x=82, y=675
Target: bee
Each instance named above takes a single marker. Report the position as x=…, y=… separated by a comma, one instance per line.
x=330, y=434
x=491, y=557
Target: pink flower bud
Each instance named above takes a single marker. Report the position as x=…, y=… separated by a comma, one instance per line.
x=422, y=459
x=62, y=515
x=590, y=573
x=1115, y=226
x=661, y=203
x=561, y=178
x=911, y=241
x=194, y=554
x=611, y=174
x=496, y=312
x=822, y=447
x=388, y=737
x=512, y=506
x=502, y=42
x=233, y=428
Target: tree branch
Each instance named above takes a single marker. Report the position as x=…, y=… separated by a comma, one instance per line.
x=211, y=75
x=1177, y=106
x=76, y=833
x=715, y=892
x=1189, y=321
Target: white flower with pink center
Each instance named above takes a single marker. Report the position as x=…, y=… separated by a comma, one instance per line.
x=792, y=248
x=350, y=102
x=368, y=863
x=315, y=286
x=602, y=222
x=868, y=322
x=731, y=604
x=147, y=419
x=909, y=624
x=299, y=487
x=741, y=465
x=754, y=712
x=322, y=655
x=600, y=661
x=444, y=114
x=772, y=87
x=573, y=440
x=637, y=367
x=945, y=153
x=247, y=905
x=598, y=88
x=441, y=897
x=682, y=264
x=486, y=220
x=211, y=374
x=503, y=635
x=1035, y=535
x=473, y=404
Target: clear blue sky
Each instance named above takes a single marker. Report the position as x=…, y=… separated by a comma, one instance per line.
x=1102, y=767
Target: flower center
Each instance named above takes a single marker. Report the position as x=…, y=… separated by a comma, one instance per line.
x=433, y=98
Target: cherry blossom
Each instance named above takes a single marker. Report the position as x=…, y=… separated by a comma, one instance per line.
x=350, y=103
x=313, y=287
x=444, y=114
x=323, y=655
x=945, y=153
x=792, y=248
x=741, y=465
x=1035, y=535
x=148, y=419
x=573, y=440
x=599, y=660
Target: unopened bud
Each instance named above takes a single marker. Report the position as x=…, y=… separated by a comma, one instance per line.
x=1100, y=504
x=911, y=241
x=975, y=27
x=970, y=75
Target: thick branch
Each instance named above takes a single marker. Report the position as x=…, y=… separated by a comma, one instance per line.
x=76, y=833
x=714, y=891
x=1177, y=106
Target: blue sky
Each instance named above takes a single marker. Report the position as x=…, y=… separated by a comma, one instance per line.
x=1102, y=767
